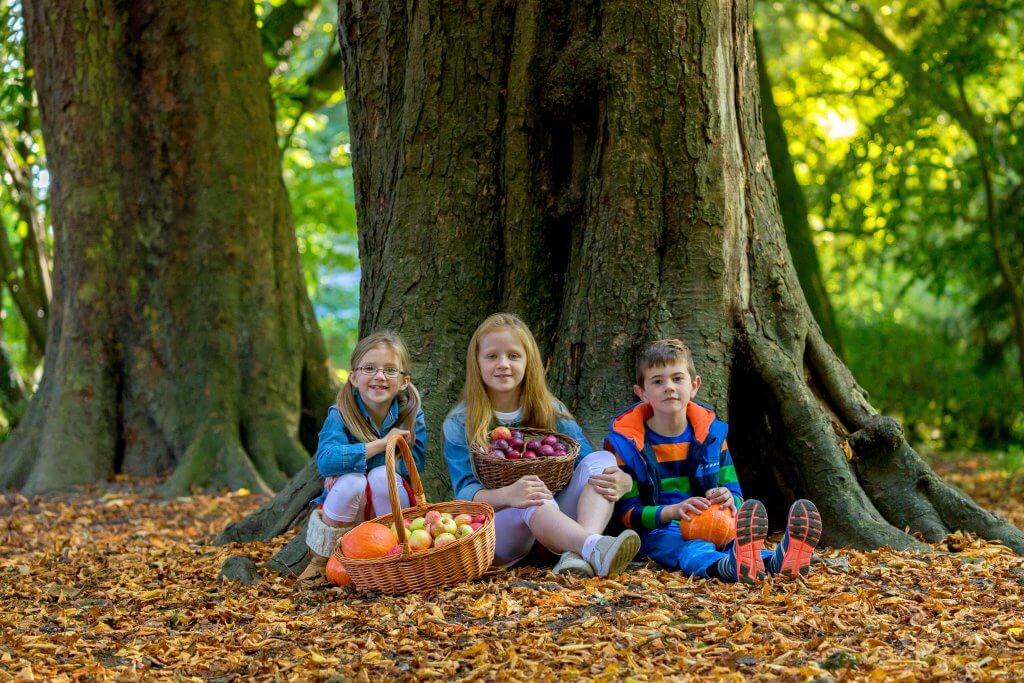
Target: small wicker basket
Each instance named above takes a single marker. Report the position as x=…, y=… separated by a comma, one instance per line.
x=465, y=559
x=554, y=471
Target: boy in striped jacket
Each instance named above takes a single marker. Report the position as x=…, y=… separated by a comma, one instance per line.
x=675, y=450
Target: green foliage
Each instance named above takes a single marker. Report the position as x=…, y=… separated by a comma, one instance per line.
x=312, y=123
x=19, y=125
x=892, y=110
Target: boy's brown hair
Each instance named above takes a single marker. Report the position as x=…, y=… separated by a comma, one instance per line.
x=661, y=353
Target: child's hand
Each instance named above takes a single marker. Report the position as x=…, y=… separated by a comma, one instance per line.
x=686, y=509
x=527, y=491
x=612, y=484
x=723, y=497
x=404, y=433
x=380, y=445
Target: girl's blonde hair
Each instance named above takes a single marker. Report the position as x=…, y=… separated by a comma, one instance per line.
x=409, y=402
x=540, y=409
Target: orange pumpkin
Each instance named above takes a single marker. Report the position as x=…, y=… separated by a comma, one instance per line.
x=715, y=524
x=367, y=541
x=336, y=573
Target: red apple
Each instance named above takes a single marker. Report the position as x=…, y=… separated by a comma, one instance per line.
x=480, y=519
x=517, y=443
x=436, y=528
x=432, y=516
x=501, y=433
x=464, y=518
x=546, y=451
x=513, y=455
x=551, y=440
x=476, y=525
x=529, y=455
x=397, y=550
x=533, y=445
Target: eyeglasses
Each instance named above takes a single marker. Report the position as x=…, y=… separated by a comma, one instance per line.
x=389, y=371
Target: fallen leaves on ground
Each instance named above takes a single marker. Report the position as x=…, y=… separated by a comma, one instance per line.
x=113, y=582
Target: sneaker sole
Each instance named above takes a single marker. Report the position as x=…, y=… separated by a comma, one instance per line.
x=628, y=545
x=804, y=533
x=751, y=532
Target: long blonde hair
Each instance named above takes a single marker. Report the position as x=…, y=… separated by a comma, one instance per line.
x=540, y=408
x=409, y=402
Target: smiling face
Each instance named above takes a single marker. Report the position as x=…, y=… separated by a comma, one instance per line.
x=377, y=390
x=668, y=388
x=502, y=361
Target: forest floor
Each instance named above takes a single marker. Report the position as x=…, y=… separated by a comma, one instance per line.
x=112, y=582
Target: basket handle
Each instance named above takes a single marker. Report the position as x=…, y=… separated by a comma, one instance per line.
x=397, y=440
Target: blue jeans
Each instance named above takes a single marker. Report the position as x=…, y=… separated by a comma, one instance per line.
x=668, y=548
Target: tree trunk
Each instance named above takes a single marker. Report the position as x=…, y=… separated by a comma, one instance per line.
x=793, y=209
x=601, y=169
x=181, y=337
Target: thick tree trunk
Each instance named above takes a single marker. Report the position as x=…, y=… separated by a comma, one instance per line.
x=181, y=337
x=601, y=169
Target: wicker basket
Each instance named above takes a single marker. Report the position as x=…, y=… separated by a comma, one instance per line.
x=555, y=471
x=465, y=559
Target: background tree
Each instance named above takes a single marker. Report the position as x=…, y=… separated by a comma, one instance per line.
x=181, y=336
x=601, y=169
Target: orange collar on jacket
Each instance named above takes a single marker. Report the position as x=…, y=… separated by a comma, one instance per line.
x=631, y=422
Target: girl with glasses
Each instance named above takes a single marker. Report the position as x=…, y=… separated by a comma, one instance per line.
x=378, y=400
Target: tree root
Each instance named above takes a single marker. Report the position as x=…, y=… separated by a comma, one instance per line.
x=287, y=509
x=900, y=485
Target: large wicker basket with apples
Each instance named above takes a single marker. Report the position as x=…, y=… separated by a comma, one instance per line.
x=514, y=453
x=457, y=544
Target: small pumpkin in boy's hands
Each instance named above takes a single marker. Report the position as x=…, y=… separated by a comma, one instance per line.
x=716, y=524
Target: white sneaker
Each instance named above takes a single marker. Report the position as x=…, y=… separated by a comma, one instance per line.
x=612, y=554
x=571, y=563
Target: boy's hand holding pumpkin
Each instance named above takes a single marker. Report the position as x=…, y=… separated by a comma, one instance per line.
x=685, y=509
x=723, y=497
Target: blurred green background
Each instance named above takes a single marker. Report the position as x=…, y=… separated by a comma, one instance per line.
x=903, y=122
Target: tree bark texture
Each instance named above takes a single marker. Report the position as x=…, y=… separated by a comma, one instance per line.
x=600, y=168
x=181, y=336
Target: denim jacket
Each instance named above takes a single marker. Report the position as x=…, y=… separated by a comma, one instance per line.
x=456, y=449
x=340, y=452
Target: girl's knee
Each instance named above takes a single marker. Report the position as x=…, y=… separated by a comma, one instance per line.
x=378, y=477
x=529, y=512
x=348, y=485
x=343, y=500
x=597, y=462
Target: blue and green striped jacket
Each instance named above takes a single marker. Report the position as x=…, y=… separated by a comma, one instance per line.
x=665, y=474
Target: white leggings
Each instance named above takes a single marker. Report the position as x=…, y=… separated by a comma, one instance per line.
x=513, y=537
x=346, y=501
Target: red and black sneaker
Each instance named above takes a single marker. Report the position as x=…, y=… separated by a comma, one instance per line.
x=803, y=531
x=744, y=562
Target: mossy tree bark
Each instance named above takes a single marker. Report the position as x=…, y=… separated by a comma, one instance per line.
x=181, y=336
x=600, y=168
